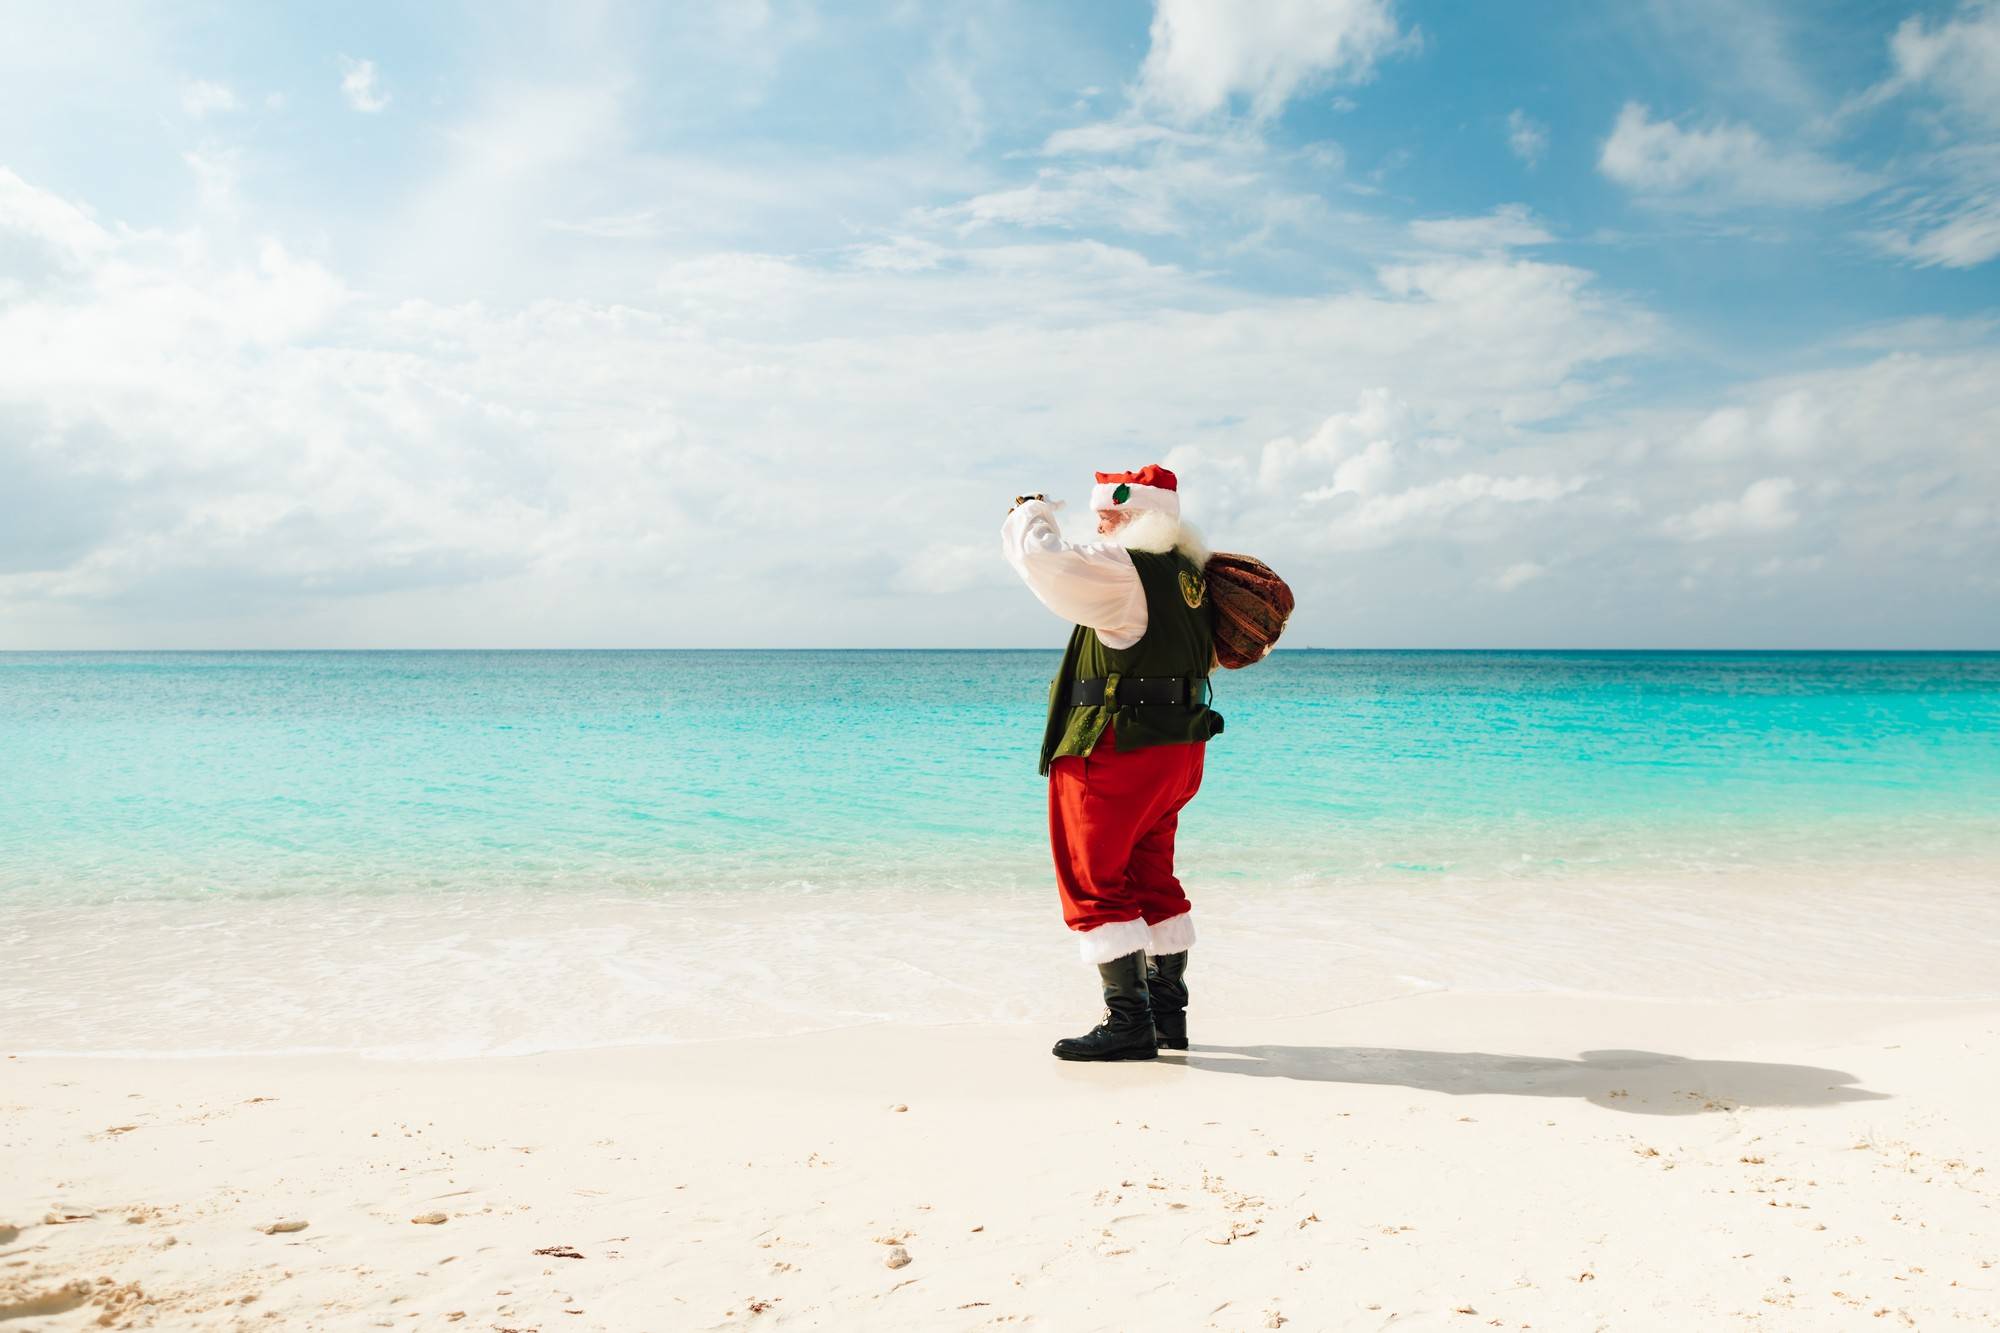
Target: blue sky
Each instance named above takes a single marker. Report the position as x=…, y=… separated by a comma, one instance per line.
x=598, y=325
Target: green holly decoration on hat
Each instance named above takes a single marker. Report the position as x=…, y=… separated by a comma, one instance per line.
x=1122, y=494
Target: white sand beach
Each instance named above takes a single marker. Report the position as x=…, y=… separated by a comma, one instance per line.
x=1452, y=1160
x=605, y=607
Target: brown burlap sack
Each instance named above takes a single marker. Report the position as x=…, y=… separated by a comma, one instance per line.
x=1252, y=605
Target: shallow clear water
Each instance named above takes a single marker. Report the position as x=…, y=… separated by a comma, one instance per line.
x=270, y=773
x=403, y=850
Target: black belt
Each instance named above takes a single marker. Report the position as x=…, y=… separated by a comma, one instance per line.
x=1089, y=692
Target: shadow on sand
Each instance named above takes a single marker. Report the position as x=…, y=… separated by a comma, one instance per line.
x=1641, y=1082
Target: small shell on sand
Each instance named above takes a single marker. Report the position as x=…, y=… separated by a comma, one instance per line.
x=429, y=1219
x=897, y=1257
x=279, y=1228
x=900, y=1106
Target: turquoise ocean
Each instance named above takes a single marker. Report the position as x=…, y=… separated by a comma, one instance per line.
x=178, y=829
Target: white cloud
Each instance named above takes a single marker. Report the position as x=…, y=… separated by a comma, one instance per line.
x=1164, y=197
x=1341, y=441
x=1507, y=227
x=49, y=221
x=201, y=98
x=1765, y=506
x=1742, y=49
x=1142, y=179
x=358, y=83
x=900, y=254
x=1421, y=511
x=955, y=92
x=1948, y=214
x=1326, y=154
x=1203, y=55
x=1359, y=454
x=945, y=568
x=303, y=445
x=1118, y=137
x=1961, y=57
x=1951, y=220
x=218, y=170
x=1788, y=426
x=1958, y=61
x=1720, y=166
x=1366, y=473
x=643, y=224
x=247, y=446
x=1527, y=137
x=517, y=390
x=1964, y=238
x=1894, y=447
x=1922, y=333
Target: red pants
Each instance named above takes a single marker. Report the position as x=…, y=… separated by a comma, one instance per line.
x=1112, y=818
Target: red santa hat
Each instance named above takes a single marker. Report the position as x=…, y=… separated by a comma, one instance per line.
x=1151, y=487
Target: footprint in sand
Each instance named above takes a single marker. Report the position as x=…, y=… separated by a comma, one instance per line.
x=16, y=1302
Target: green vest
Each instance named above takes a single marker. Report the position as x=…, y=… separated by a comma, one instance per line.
x=1179, y=641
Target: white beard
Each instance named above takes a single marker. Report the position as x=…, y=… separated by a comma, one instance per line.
x=1151, y=530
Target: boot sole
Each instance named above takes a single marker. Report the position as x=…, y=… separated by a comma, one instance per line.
x=1107, y=1059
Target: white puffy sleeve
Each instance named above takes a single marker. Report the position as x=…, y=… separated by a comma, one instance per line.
x=1095, y=585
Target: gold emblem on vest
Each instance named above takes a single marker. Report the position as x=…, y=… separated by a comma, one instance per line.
x=1193, y=588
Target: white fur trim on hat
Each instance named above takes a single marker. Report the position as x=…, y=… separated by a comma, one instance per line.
x=1174, y=935
x=1156, y=498
x=1113, y=939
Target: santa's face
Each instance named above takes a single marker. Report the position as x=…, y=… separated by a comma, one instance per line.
x=1110, y=520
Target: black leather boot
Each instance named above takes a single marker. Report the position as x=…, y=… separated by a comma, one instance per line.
x=1169, y=994
x=1127, y=1030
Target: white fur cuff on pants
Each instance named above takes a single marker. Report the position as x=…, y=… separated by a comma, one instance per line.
x=1173, y=935
x=1113, y=939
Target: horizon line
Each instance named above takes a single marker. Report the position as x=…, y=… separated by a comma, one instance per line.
x=889, y=648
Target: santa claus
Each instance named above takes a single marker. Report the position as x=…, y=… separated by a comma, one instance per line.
x=1127, y=728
